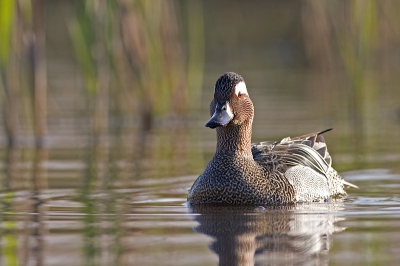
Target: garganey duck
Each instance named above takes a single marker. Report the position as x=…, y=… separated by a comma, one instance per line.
x=272, y=172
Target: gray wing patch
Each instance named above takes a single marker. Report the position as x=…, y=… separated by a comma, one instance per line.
x=308, y=184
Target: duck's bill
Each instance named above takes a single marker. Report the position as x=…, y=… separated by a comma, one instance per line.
x=221, y=117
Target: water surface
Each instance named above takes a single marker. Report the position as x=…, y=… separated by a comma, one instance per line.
x=151, y=224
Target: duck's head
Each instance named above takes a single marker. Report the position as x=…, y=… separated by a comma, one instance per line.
x=231, y=104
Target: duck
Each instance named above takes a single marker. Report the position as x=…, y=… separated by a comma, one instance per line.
x=288, y=171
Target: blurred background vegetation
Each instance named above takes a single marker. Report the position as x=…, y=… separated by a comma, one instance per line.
x=123, y=86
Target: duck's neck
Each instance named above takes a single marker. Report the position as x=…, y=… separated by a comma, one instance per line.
x=234, y=139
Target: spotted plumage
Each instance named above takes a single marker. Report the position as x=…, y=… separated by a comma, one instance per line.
x=241, y=173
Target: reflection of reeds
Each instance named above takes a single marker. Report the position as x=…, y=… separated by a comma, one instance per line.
x=100, y=177
x=9, y=246
x=17, y=250
x=39, y=183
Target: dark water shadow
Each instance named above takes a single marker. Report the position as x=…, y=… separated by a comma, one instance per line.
x=280, y=235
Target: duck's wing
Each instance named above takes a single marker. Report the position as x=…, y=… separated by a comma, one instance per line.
x=317, y=142
x=308, y=150
x=303, y=159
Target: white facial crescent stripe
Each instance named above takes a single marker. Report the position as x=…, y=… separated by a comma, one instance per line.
x=228, y=110
x=241, y=88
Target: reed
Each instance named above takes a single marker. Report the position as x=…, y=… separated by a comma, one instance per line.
x=137, y=46
x=134, y=64
x=37, y=56
x=152, y=45
x=23, y=67
x=91, y=44
x=7, y=70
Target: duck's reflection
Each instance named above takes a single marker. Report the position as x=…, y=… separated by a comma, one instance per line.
x=281, y=235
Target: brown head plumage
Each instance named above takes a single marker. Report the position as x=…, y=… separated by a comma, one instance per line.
x=231, y=104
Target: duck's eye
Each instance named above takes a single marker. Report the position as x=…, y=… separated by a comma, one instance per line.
x=240, y=94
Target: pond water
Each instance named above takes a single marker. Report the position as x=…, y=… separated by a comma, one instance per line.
x=121, y=200
x=150, y=224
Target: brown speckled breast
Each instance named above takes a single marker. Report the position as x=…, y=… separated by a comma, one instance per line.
x=240, y=180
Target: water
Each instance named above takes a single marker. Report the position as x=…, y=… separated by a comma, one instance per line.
x=122, y=200
x=150, y=224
